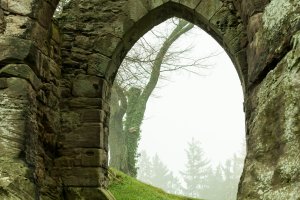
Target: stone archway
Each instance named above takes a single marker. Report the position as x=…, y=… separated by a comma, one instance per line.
x=62, y=129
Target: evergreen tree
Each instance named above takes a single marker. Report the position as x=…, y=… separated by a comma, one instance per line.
x=156, y=173
x=215, y=184
x=197, y=168
x=173, y=184
x=218, y=184
x=232, y=173
x=228, y=180
x=223, y=182
x=144, y=167
x=160, y=173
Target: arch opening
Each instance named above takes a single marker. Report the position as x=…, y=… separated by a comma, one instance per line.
x=158, y=138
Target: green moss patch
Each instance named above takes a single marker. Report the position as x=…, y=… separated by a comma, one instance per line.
x=124, y=187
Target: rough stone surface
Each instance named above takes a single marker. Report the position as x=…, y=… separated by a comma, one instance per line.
x=88, y=194
x=55, y=86
x=22, y=71
x=273, y=114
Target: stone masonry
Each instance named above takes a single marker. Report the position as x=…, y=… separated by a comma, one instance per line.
x=55, y=80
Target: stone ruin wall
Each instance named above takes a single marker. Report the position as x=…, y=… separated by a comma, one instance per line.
x=54, y=89
x=29, y=99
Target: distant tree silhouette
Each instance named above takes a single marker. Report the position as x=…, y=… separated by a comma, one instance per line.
x=155, y=172
x=223, y=181
x=197, y=168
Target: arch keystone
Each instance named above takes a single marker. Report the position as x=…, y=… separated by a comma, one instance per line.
x=207, y=8
x=137, y=9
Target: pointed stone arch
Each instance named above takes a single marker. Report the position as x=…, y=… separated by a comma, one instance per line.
x=93, y=52
x=135, y=18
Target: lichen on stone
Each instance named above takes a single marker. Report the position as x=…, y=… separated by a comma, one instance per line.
x=276, y=12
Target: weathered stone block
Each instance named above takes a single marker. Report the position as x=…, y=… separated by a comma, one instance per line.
x=83, y=42
x=13, y=48
x=207, y=8
x=87, y=86
x=70, y=121
x=21, y=71
x=85, y=157
x=97, y=64
x=82, y=177
x=85, y=136
x=82, y=102
x=18, y=6
x=16, y=25
x=137, y=9
x=91, y=115
x=106, y=44
x=18, y=89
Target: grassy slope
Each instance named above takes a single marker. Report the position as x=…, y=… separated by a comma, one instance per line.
x=124, y=187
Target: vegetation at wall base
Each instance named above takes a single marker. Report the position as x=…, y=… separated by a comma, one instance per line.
x=124, y=187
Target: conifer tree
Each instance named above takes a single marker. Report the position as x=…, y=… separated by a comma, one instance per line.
x=155, y=172
x=144, y=167
x=196, y=171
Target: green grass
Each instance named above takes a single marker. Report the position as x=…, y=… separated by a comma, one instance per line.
x=124, y=187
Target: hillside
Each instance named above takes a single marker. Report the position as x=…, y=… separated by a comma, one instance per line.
x=124, y=187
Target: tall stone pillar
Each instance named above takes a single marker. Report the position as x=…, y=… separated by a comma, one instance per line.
x=272, y=169
x=29, y=96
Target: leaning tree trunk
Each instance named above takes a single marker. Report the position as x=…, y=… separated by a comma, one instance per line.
x=134, y=117
x=117, y=138
x=117, y=146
